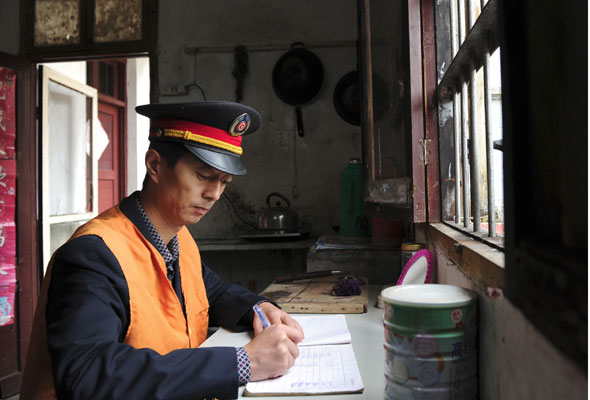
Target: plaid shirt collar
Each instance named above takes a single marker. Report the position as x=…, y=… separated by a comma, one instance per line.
x=170, y=252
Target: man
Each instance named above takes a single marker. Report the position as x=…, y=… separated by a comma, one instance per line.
x=127, y=301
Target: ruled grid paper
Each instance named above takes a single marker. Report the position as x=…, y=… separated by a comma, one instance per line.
x=318, y=369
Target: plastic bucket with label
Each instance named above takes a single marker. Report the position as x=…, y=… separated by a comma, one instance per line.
x=430, y=333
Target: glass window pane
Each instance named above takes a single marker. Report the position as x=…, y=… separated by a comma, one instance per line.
x=57, y=22
x=117, y=20
x=106, y=84
x=61, y=232
x=69, y=151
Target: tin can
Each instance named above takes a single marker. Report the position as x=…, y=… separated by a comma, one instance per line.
x=430, y=342
x=408, y=251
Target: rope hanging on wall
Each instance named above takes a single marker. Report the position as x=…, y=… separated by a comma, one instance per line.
x=240, y=70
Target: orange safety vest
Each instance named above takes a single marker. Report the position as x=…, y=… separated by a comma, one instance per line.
x=156, y=318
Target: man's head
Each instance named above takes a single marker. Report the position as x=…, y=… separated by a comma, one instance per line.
x=194, y=151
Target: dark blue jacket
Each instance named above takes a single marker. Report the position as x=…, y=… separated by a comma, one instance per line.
x=87, y=320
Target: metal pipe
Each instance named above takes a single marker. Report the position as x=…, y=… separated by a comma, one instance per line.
x=454, y=28
x=367, y=91
x=462, y=30
x=473, y=154
x=456, y=113
x=457, y=135
x=489, y=147
x=270, y=47
x=471, y=13
x=465, y=153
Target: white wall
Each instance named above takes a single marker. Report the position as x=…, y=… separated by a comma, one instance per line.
x=72, y=69
x=516, y=361
x=138, y=92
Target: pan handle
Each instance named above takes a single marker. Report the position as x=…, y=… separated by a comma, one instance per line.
x=299, y=121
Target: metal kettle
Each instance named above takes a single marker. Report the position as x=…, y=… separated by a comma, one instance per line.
x=278, y=217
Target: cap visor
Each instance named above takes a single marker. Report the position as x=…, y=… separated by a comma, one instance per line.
x=222, y=162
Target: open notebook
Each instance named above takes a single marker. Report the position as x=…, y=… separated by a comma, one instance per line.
x=326, y=363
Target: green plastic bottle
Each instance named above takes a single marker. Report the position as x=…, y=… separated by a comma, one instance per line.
x=352, y=221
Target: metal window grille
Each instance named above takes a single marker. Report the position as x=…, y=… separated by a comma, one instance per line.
x=470, y=93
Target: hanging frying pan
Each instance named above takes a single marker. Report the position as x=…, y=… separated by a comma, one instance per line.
x=297, y=78
x=347, y=97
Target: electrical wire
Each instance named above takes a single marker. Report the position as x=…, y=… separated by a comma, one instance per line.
x=237, y=212
x=187, y=87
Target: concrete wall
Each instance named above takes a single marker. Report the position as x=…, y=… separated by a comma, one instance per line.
x=515, y=361
x=270, y=153
x=9, y=21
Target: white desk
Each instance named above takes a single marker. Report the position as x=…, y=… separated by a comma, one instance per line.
x=367, y=341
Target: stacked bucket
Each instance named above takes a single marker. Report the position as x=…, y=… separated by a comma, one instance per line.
x=430, y=342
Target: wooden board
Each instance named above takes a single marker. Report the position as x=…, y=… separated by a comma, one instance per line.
x=314, y=296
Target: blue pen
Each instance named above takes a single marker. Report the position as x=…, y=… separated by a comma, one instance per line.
x=261, y=315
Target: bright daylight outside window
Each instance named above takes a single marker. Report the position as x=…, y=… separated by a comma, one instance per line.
x=470, y=117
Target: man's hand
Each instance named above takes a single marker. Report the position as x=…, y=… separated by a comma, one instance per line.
x=273, y=351
x=276, y=317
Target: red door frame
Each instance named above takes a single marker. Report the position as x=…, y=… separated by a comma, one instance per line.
x=423, y=111
x=117, y=146
x=118, y=100
x=15, y=338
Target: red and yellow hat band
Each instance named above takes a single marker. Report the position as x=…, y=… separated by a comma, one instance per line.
x=194, y=132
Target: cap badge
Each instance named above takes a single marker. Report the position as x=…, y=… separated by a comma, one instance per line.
x=240, y=125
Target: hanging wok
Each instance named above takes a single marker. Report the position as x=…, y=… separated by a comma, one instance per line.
x=347, y=97
x=297, y=78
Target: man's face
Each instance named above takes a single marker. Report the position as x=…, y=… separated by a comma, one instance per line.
x=189, y=190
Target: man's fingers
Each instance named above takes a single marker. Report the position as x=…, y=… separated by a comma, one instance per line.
x=294, y=350
x=296, y=335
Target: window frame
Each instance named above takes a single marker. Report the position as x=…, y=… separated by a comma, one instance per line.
x=480, y=40
x=87, y=47
x=473, y=252
x=541, y=270
x=473, y=39
x=47, y=75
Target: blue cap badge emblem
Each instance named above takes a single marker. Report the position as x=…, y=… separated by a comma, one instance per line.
x=240, y=125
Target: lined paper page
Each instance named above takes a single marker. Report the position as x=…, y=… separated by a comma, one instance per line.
x=318, y=369
x=323, y=329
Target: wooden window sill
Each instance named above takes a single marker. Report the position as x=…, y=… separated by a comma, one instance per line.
x=481, y=262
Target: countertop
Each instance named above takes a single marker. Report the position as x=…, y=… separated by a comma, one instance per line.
x=367, y=341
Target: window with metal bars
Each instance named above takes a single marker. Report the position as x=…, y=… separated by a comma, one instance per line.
x=470, y=117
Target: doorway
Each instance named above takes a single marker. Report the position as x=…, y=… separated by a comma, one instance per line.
x=108, y=77
x=118, y=141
